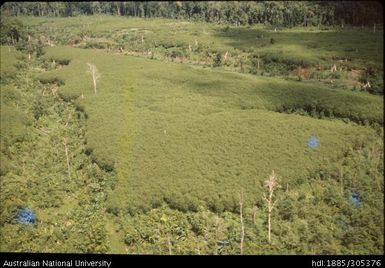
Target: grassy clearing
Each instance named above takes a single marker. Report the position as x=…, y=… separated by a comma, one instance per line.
x=106, y=110
x=191, y=138
x=356, y=43
x=280, y=50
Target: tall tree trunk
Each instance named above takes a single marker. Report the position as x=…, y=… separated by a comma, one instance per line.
x=342, y=179
x=269, y=224
x=94, y=74
x=169, y=245
x=271, y=183
x=258, y=63
x=68, y=160
x=242, y=224
x=94, y=80
x=216, y=234
x=198, y=249
x=117, y=8
x=254, y=214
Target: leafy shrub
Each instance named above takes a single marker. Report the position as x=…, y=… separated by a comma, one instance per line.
x=12, y=30
x=374, y=77
x=217, y=59
x=51, y=80
x=176, y=53
x=61, y=61
x=39, y=109
x=335, y=75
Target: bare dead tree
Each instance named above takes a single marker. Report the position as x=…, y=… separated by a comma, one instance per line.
x=225, y=56
x=198, y=248
x=271, y=184
x=68, y=160
x=54, y=89
x=216, y=233
x=117, y=8
x=367, y=85
x=169, y=245
x=94, y=74
x=241, y=218
x=342, y=179
x=258, y=63
x=159, y=239
x=254, y=214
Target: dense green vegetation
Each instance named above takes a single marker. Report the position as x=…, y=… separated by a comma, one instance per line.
x=34, y=128
x=279, y=13
x=181, y=128
x=9, y=61
x=297, y=53
x=207, y=123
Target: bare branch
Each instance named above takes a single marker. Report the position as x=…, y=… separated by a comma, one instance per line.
x=241, y=219
x=271, y=183
x=68, y=161
x=94, y=74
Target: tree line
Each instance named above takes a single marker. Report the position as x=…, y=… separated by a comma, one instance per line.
x=276, y=13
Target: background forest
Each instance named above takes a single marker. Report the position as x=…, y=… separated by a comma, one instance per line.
x=277, y=13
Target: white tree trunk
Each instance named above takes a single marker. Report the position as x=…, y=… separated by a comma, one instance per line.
x=258, y=63
x=94, y=80
x=242, y=225
x=269, y=226
x=94, y=74
x=68, y=160
x=271, y=183
x=169, y=245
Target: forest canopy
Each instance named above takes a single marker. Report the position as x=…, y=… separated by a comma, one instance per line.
x=277, y=13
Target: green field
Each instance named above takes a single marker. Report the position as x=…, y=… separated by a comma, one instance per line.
x=163, y=149
x=206, y=128
x=315, y=49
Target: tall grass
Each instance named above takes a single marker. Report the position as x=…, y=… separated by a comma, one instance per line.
x=189, y=137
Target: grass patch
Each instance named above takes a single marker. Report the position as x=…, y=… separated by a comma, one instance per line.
x=9, y=62
x=192, y=138
x=349, y=48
